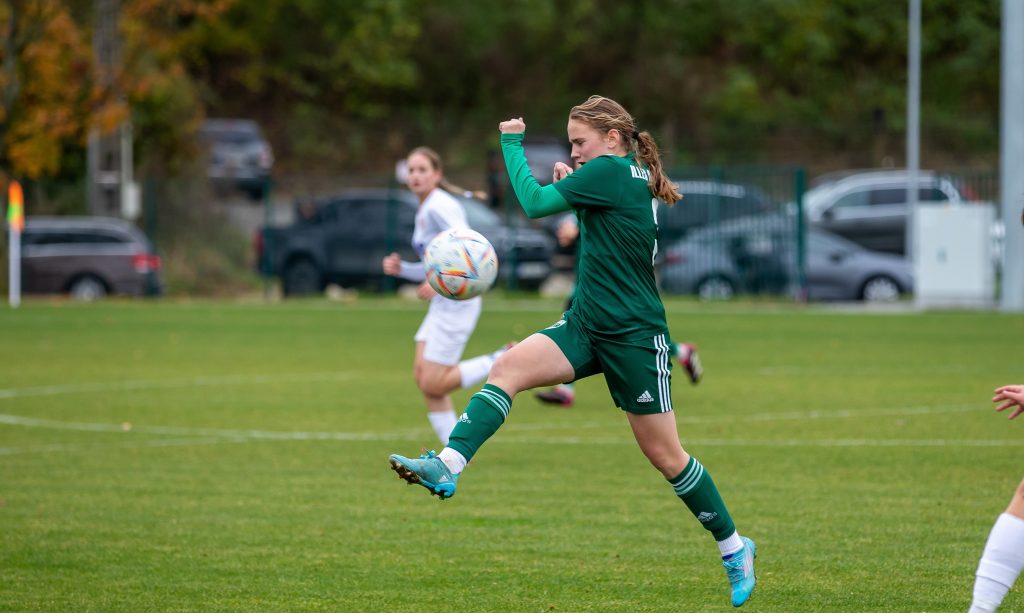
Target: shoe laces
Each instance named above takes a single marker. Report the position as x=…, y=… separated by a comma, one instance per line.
x=428, y=455
x=734, y=566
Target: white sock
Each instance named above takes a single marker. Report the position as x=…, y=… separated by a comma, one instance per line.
x=1000, y=564
x=730, y=545
x=443, y=422
x=475, y=370
x=455, y=461
x=983, y=606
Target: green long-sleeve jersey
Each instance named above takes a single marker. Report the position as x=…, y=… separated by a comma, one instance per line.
x=616, y=291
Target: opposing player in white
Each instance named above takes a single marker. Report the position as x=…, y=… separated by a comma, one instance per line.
x=1003, y=557
x=448, y=325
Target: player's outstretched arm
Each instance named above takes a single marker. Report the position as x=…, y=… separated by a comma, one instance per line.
x=1012, y=396
x=536, y=201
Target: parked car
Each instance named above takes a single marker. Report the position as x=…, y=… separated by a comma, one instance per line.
x=870, y=208
x=758, y=255
x=239, y=155
x=706, y=201
x=87, y=257
x=342, y=239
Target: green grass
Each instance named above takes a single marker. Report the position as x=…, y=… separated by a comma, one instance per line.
x=221, y=456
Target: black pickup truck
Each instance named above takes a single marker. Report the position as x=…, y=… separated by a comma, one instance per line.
x=342, y=239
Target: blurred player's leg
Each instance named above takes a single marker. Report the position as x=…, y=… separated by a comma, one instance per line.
x=1002, y=559
x=690, y=361
x=563, y=394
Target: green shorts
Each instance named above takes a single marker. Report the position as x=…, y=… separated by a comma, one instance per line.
x=638, y=372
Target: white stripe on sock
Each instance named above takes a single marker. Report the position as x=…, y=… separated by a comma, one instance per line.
x=495, y=400
x=691, y=479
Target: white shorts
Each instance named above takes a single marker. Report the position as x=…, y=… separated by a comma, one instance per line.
x=447, y=327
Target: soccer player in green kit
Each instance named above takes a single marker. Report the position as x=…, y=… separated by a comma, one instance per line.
x=616, y=324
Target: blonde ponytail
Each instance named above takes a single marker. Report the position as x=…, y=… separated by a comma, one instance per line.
x=605, y=114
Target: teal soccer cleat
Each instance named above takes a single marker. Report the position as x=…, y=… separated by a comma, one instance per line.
x=428, y=471
x=740, y=569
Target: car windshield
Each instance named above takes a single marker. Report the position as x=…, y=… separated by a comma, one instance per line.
x=232, y=134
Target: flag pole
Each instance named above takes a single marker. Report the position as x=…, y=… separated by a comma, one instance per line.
x=15, y=224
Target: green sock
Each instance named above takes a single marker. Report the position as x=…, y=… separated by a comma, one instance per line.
x=484, y=414
x=697, y=490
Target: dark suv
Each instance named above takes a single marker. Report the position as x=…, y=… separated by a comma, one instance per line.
x=87, y=257
x=342, y=239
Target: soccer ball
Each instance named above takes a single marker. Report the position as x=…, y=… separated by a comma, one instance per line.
x=460, y=264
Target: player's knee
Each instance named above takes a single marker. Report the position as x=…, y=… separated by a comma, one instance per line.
x=435, y=383
x=428, y=384
x=505, y=373
x=503, y=366
x=669, y=462
x=658, y=459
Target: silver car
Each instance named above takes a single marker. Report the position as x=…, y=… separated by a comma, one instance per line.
x=757, y=255
x=870, y=208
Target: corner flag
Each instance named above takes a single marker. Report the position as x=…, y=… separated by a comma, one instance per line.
x=15, y=207
x=15, y=223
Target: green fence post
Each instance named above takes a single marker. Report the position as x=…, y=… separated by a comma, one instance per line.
x=267, y=266
x=800, y=185
x=389, y=283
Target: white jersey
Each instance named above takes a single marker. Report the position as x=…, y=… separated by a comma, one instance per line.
x=449, y=323
x=439, y=212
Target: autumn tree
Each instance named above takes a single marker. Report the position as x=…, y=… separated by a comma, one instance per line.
x=45, y=86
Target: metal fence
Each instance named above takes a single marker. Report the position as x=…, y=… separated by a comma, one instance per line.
x=737, y=231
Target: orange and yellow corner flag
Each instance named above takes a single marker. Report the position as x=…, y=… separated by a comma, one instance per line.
x=15, y=208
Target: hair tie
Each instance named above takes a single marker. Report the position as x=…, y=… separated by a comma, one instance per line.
x=636, y=135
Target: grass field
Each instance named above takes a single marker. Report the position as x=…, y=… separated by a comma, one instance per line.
x=219, y=456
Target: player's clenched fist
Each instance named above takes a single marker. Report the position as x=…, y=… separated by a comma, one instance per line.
x=516, y=125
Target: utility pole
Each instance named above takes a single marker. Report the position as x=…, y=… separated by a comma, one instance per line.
x=913, y=122
x=1011, y=155
x=111, y=187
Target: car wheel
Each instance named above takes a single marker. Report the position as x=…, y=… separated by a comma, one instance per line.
x=715, y=288
x=880, y=289
x=301, y=277
x=87, y=288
